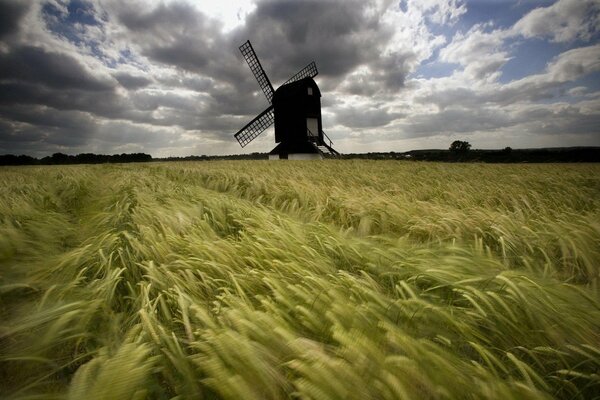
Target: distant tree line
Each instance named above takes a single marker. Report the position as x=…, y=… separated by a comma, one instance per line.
x=506, y=155
x=91, y=158
x=251, y=156
x=459, y=152
x=84, y=158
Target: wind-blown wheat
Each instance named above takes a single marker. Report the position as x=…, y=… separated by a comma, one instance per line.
x=333, y=279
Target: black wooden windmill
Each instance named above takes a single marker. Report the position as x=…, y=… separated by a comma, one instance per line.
x=295, y=108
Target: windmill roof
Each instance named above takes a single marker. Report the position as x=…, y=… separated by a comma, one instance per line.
x=297, y=86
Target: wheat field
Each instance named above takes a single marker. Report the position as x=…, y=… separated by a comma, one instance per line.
x=335, y=279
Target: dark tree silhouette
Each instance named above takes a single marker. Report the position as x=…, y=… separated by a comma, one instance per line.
x=460, y=146
x=60, y=158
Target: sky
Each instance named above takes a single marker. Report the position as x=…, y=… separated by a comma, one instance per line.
x=167, y=78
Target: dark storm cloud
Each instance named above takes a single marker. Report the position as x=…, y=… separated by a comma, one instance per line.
x=391, y=70
x=197, y=83
x=45, y=127
x=339, y=35
x=152, y=100
x=102, y=103
x=31, y=75
x=48, y=117
x=178, y=34
x=166, y=74
x=386, y=75
x=165, y=20
x=12, y=132
x=52, y=69
x=362, y=117
x=11, y=13
x=133, y=82
x=58, y=89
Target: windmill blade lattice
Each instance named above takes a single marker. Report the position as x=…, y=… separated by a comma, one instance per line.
x=309, y=71
x=257, y=70
x=255, y=127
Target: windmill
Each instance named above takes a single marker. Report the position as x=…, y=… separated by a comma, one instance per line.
x=295, y=109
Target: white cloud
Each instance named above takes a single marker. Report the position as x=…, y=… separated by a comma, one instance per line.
x=481, y=53
x=439, y=11
x=563, y=21
x=575, y=63
x=231, y=13
x=569, y=66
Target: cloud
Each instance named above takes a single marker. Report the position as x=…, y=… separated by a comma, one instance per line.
x=51, y=69
x=345, y=32
x=562, y=120
x=41, y=126
x=170, y=64
x=365, y=116
x=166, y=76
x=132, y=81
x=563, y=21
x=11, y=13
x=569, y=66
x=578, y=121
x=574, y=64
x=533, y=105
x=481, y=53
x=178, y=34
x=451, y=121
x=439, y=12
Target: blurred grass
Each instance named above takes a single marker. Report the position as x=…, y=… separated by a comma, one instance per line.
x=333, y=279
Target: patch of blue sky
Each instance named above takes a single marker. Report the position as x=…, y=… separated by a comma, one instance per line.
x=434, y=69
x=126, y=56
x=78, y=12
x=70, y=25
x=403, y=5
x=446, y=30
x=81, y=12
x=529, y=56
x=502, y=13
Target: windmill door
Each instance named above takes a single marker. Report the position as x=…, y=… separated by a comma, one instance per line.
x=312, y=126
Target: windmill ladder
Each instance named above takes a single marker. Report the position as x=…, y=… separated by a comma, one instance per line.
x=324, y=149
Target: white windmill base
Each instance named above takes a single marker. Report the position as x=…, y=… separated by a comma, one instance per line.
x=297, y=156
x=302, y=150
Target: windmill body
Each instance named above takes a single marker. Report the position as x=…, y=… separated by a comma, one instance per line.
x=295, y=110
x=298, y=125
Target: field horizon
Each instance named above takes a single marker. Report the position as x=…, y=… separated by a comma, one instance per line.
x=507, y=155
x=315, y=280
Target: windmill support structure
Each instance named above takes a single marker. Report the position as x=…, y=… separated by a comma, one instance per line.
x=294, y=110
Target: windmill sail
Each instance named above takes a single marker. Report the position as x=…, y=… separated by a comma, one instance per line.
x=309, y=71
x=298, y=110
x=255, y=127
x=257, y=70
